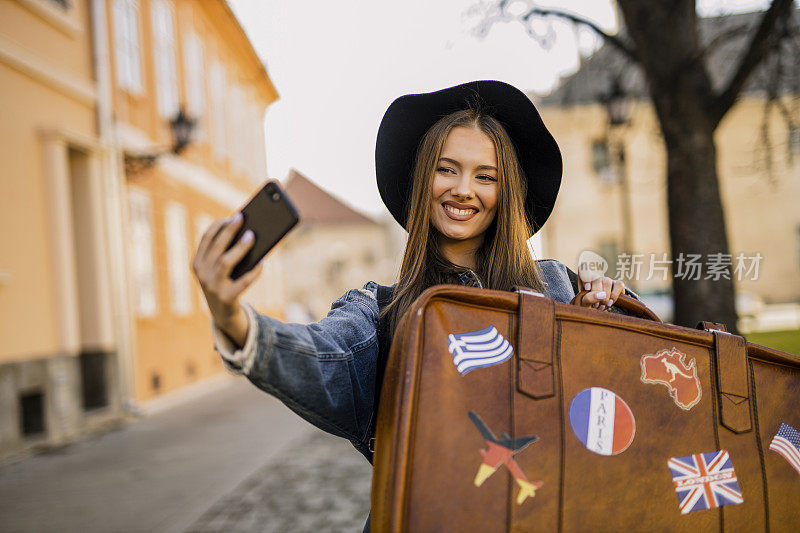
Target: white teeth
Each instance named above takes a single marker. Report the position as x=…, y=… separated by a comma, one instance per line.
x=459, y=211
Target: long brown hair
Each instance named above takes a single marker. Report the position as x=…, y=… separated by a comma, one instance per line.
x=504, y=259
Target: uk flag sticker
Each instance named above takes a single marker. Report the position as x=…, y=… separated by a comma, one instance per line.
x=704, y=481
x=602, y=421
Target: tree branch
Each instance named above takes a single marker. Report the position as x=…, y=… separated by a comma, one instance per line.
x=721, y=39
x=757, y=49
x=629, y=52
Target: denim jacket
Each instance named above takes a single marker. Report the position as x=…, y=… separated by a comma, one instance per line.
x=326, y=371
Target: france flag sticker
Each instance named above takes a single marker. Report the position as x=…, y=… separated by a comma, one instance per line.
x=602, y=421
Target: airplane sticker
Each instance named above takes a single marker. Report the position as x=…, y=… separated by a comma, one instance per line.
x=669, y=368
x=501, y=451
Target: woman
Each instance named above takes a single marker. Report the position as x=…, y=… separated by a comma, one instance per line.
x=469, y=172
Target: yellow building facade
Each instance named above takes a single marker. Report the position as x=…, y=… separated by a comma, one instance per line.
x=760, y=189
x=58, y=346
x=99, y=310
x=168, y=55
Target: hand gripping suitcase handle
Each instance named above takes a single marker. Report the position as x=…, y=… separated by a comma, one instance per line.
x=632, y=305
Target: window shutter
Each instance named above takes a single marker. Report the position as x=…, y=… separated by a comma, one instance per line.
x=195, y=79
x=165, y=63
x=178, y=258
x=218, y=109
x=142, y=263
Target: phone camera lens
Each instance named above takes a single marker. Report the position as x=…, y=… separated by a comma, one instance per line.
x=276, y=196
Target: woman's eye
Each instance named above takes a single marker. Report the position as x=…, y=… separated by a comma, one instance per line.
x=444, y=169
x=487, y=178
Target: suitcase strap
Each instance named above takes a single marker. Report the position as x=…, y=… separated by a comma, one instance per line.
x=535, y=362
x=733, y=382
x=535, y=346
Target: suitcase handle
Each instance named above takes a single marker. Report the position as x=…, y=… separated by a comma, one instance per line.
x=632, y=305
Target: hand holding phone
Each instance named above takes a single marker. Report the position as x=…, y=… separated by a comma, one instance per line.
x=270, y=216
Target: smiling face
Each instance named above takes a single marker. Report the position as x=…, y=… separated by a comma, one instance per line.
x=464, y=190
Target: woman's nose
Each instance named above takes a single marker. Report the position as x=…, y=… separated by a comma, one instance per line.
x=463, y=187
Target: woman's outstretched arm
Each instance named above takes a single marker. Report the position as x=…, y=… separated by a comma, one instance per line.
x=323, y=371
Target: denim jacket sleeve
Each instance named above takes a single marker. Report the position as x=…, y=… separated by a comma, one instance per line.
x=324, y=371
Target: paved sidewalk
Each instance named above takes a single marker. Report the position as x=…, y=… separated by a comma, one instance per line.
x=161, y=473
x=320, y=483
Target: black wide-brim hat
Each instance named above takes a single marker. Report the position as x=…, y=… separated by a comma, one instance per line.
x=409, y=117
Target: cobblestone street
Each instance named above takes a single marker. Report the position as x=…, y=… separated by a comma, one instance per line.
x=319, y=484
x=226, y=459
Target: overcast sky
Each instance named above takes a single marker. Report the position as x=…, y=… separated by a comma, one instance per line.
x=337, y=66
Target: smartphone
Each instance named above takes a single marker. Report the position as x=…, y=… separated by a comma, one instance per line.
x=270, y=215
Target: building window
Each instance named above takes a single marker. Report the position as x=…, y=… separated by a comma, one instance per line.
x=195, y=80
x=126, y=45
x=334, y=270
x=218, y=114
x=178, y=258
x=93, y=380
x=237, y=132
x=794, y=140
x=798, y=242
x=164, y=58
x=601, y=161
x=143, y=266
x=32, y=414
x=257, y=119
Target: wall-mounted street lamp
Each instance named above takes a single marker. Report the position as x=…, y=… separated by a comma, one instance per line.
x=618, y=104
x=182, y=128
x=618, y=110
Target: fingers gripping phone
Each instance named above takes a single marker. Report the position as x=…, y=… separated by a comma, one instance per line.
x=270, y=215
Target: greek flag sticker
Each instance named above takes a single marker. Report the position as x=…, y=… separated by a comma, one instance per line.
x=478, y=349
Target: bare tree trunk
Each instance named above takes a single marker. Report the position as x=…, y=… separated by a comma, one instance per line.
x=681, y=91
x=697, y=223
x=663, y=40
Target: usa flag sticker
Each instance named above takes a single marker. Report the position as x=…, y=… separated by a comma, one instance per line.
x=602, y=421
x=478, y=349
x=705, y=481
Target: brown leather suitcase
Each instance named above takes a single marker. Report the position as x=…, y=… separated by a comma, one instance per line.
x=511, y=412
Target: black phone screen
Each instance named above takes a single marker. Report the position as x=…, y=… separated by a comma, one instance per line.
x=270, y=215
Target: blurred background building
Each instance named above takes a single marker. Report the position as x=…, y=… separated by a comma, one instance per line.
x=59, y=353
x=167, y=59
x=127, y=127
x=333, y=249
x=613, y=198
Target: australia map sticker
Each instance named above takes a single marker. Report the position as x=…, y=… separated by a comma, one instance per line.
x=602, y=421
x=787, y=443
x=478, y=349
x=704, y=481
x=501, y=452
x=669, y=368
